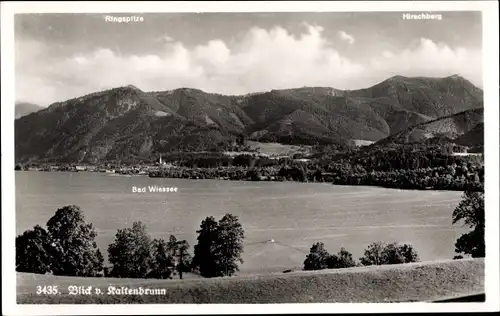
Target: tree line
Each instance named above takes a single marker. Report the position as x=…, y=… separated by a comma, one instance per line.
x=403, y=166
x=68, y=248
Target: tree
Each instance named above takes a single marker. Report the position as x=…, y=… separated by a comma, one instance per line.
x=162, y=260
x=409, y=253
x=254, y=175
x=178, y=250
x=74, y=251
x=373, y=254
x=396, y=254
x=99, y=264
x=302, y=174
x=219, y=247
x=241, y=140
x=318, y=175
x=229, y=244
x=32, y=251
x=343, y=259
x=183, y=257
x=204, y=258
x=172, y=246
x=379, y=253
x=130, y=254
x=317, y=257
x=471, y=211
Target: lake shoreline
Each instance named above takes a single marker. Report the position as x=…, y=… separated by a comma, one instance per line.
x=244, y=180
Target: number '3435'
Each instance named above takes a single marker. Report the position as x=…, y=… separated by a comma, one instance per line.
x=47, y=290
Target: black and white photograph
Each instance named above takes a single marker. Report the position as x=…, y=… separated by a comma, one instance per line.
x=265, y=156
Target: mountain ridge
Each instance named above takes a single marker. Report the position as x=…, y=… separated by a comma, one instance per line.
x=126, y=122
x=455, y=127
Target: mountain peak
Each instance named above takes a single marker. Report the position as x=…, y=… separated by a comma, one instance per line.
x=397, y=77
x=127, y=87
x=455, y=77
x=131, y=86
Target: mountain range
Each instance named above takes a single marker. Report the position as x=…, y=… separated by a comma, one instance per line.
x=128, y=123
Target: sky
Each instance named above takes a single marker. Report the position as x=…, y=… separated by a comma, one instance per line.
x=61, y=56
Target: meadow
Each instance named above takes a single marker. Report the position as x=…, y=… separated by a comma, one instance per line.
x=411, y=282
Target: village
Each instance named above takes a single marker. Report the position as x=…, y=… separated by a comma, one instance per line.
x=151, y=169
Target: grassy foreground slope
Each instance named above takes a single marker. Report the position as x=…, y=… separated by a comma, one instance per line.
x=425, y=281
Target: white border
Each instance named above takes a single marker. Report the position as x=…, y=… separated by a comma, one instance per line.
x=491, y=87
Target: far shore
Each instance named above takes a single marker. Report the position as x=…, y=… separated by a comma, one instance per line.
x=116, y=174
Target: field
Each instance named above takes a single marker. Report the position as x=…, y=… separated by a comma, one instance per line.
x=278, y=149
x=362, y=142
x=426, y=281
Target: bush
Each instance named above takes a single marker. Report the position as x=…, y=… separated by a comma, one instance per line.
x=379, y=253
x=32, y=251
x=74, y=251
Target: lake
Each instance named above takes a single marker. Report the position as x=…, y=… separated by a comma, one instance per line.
x=294, y=215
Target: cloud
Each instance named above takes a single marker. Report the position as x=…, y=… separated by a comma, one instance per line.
x=425, y=57
x=347, y=37
x=261, y=60
x=167, y=38
x=387, y=54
